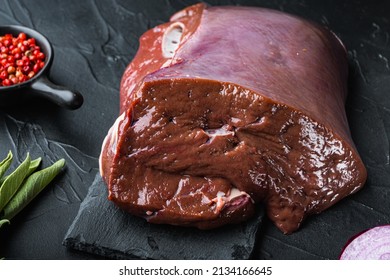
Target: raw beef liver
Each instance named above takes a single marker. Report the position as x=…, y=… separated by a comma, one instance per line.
x=226, y=107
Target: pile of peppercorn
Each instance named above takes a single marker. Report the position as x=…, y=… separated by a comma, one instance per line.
x=20, y=59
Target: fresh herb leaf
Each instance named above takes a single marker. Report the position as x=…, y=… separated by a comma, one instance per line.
x=12, y=183
x=31, y=187
x=5, y=164
x=3, y=222
x=33, y=165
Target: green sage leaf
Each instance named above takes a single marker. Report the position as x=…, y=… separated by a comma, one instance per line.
x=33, y=166
x=31, y=187
x=5, y=164
x=12, y=183
x=3, y=222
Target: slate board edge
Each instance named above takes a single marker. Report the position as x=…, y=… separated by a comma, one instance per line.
x=105, y=252
x=77, y=244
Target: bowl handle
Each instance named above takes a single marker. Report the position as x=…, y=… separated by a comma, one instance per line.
x=60, y=95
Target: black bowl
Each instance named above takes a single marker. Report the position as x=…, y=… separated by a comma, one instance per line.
x=39, y=85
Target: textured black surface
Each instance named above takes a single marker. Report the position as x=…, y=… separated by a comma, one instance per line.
x=93, y=42
x=38, y=231
x=102, y=228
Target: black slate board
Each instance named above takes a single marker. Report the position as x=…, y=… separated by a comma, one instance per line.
x=102, y=228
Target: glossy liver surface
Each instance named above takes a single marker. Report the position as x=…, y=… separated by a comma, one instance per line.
x=226, y=107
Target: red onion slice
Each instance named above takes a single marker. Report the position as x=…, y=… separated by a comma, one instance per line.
x=373, y=244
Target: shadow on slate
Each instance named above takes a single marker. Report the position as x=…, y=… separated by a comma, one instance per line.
x=102, y=228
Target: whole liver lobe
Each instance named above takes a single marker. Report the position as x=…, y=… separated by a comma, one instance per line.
x=248, y=109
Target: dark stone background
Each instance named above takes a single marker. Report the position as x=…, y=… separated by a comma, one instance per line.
x=94, y=41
